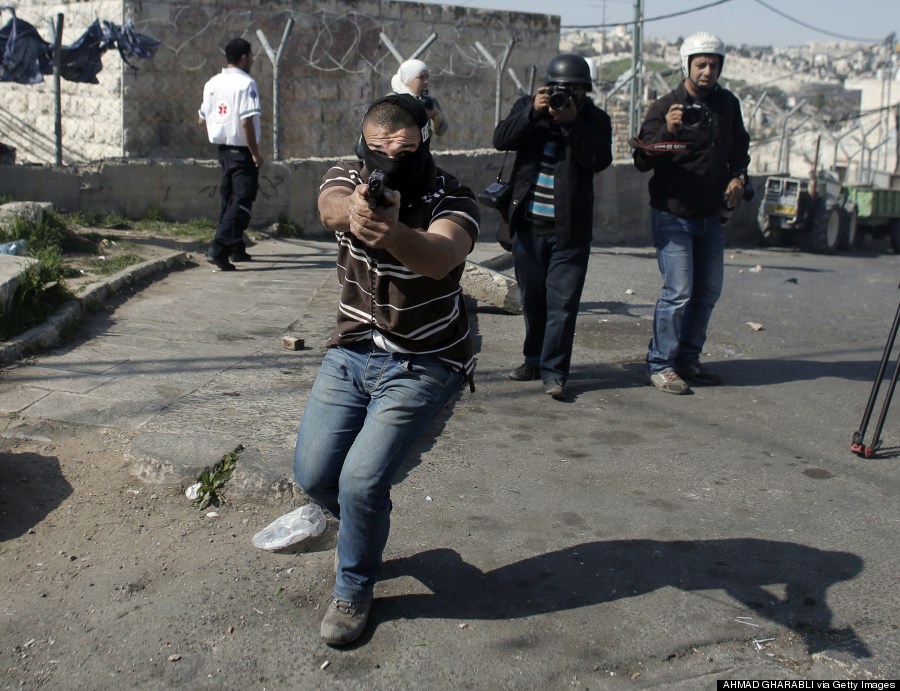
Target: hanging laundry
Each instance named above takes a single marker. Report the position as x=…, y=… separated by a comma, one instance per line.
x=26, y=57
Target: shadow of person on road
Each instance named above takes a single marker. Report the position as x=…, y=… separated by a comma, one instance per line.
x=31, y=486
x=734, y=373
x=760, y=372
x=592, y=573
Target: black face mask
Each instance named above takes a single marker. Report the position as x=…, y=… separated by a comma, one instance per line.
x=405, y=173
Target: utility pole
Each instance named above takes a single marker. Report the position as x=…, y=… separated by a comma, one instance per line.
x=57, y=99
x=637, y=69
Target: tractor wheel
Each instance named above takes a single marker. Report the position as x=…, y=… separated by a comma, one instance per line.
x=771, y=233
x=847, y=239
x=894, y=233
x=822, y=236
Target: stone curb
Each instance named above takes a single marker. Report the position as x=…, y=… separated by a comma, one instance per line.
x=160, y=458
x=47, y=335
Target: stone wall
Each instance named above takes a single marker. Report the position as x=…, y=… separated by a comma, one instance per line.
x=91, y=113
x=333, y=64
x=189, y=189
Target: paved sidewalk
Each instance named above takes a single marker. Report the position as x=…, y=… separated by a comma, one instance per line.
x=194, y=364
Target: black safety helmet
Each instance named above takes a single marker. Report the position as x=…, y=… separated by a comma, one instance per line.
x=569, y=69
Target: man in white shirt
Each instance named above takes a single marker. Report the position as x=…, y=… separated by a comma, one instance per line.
x=230, y=112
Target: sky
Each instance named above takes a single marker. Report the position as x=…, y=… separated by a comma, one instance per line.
x=735, y=21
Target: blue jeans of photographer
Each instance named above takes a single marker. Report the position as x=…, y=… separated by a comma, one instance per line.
x=691, y=256
x=365, y=411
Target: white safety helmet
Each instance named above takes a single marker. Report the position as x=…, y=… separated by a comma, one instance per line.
x=701, y=43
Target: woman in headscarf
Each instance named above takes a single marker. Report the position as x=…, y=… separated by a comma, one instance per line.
x=412, y=78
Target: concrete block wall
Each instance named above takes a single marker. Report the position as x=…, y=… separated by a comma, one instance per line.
x=187, y=189
x=91, y=113
x=333, y=65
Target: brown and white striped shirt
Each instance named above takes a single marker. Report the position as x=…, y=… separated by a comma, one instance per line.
x=381, y=299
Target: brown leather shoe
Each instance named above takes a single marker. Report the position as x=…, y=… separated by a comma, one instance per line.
x=344, y=621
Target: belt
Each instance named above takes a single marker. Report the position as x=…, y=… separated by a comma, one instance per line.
x=230, y=147
x=536, y=227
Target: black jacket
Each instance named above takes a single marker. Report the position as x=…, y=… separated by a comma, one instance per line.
x=692, y=183
x=586, y=150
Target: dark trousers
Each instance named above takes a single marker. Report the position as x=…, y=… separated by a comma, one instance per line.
x=240, y=183
x=550, y=284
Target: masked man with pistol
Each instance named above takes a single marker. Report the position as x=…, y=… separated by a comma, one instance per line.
x=561, y=140
x=401, y=348
x=694, y=141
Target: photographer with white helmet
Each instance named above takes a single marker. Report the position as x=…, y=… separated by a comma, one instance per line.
x=694, y=141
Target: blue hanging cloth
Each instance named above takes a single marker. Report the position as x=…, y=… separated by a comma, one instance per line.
x=26, y=57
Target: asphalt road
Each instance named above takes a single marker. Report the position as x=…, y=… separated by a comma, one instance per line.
x=622, y=538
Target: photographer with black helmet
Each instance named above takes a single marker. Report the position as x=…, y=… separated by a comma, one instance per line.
x=561, y=140
x=694, y=141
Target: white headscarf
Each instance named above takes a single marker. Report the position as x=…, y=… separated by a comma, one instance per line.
x=407, y=71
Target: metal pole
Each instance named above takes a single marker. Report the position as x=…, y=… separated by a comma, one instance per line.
x=499, y=67
x=896, y=139
x=390, y=46
x=504, y=60
x=425, y=46
x=637, y=68
x=57, y=100
x=512, y=75
x=782, y=158
x=275, y=59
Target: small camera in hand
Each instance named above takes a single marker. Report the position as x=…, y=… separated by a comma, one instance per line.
x=376, y=189
x=560, y=95
x=426, y=100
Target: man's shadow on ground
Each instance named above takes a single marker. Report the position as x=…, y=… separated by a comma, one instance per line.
x=31, y=487
x=592, y=573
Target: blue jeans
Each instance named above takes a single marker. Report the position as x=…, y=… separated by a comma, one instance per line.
x=691, y=257
x=366, y=409
x=550, y=284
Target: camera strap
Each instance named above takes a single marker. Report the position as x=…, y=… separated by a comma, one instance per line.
x=502, y=166
x=659, y=147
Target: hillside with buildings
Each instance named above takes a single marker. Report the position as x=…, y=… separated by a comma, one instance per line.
x=843, y=95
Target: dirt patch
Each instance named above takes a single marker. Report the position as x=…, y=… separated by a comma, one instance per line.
x=112, y=583
x=119, y=249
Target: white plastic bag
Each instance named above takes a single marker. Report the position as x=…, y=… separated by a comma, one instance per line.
x=293, y=527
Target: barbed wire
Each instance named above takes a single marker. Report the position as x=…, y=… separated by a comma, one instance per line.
x=330, y=41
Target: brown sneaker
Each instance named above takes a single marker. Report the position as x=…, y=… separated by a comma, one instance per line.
x=668, y=381
x=344, y=621
x=697, y=373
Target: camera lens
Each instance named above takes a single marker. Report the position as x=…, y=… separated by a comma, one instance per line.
x=693, y=116
x=558, y=100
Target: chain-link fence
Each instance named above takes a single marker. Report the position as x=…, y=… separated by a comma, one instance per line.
x=331, y=63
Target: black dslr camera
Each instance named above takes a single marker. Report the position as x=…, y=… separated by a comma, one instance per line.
x=695, y=115
x=560, y=95
x=376, y=189
x=426, y=100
